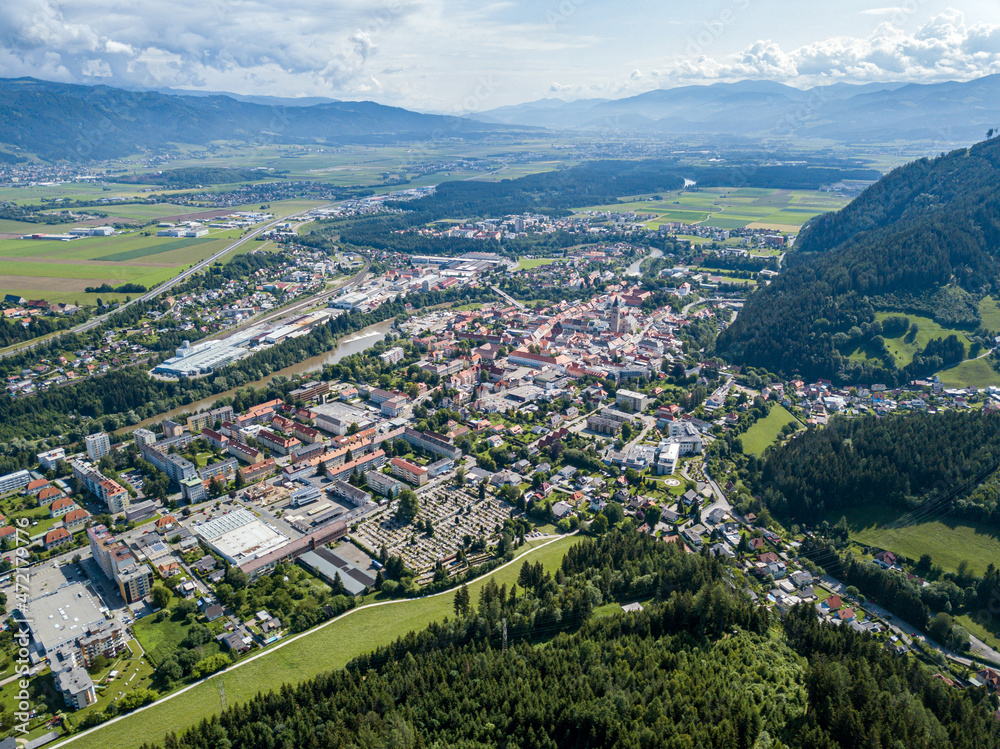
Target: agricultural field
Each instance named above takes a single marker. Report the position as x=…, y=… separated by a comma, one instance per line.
x=762, y=435
x=331, y=646
x=60, y=271
x=733, y=208
x=949, y=541
x=904, y=350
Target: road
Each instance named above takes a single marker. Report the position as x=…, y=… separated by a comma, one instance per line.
x=289, y=640
x=167, y=285
x=910, y=633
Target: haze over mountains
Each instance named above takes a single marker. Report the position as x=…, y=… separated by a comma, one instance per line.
x=79, y=123
x=60, y=121
x=871, y=112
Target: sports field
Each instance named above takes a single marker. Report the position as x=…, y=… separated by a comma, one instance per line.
x=733, y=208
x=329, y=647
x=526, y=263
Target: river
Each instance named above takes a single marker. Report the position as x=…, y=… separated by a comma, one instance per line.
x=355, y=343
x=634, y=269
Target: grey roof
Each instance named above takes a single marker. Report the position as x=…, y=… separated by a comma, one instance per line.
x=326, y=564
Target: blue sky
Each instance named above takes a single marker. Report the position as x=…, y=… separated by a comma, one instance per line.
x=455, y=56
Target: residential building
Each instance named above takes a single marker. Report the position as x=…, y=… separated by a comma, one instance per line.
x=276, y=443
x=98, y=445
x=108, y=491
x=311, y=391
x=352, y=494
x=609, y=421
x=57, y=537
x=14, y=481
x=409, y=472
x=60, y=507
x=119, y=564
x=49, y=460
x=193, y=489
x=636, y=402
x=143, y=437
x=257, y=471
x=379, y=483
x=393, y=355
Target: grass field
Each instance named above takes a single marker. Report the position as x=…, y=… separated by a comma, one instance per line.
x=514, y=171
x=903, y=351
x=160, y=638
x=975, y=373
x=986, y=627
x=989, y=311
x=526, y=263
x=949, y=541
x=761, y=435
x=332, y=646
x=733, y=208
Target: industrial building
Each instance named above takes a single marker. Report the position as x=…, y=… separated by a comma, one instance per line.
x=327, y=565
x=200, y=359
x=240, y=537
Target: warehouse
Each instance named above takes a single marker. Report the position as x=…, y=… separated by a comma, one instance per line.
x=239, y=536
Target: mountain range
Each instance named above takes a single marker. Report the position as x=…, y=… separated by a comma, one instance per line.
x=923, y=240
x=879, y=112
x=59, y=121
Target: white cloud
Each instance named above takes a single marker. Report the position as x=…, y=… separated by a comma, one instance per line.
x=942, y=48
x=435, y=54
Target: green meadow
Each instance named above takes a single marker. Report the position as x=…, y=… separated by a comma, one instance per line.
x=732, y=208
x=328, y=647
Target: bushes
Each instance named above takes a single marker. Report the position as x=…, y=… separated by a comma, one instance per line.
x=210, y=665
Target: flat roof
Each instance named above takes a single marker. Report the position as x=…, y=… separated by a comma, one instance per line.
x=239, y=540
x=62, y=615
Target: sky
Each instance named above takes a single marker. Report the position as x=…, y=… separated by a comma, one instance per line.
x=455, y=56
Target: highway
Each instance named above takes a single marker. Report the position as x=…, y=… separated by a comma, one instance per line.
x=167, y=285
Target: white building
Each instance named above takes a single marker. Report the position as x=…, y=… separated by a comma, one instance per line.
x=98, y=445
x=48, y=460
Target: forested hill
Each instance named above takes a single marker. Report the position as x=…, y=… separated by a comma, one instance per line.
x=699, y=667
x=930, y=465
x=60, y=121
x=925, y=239
x=604, y=182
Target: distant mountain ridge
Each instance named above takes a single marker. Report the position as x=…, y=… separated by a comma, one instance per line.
x=59, y=121
x=951, y=111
